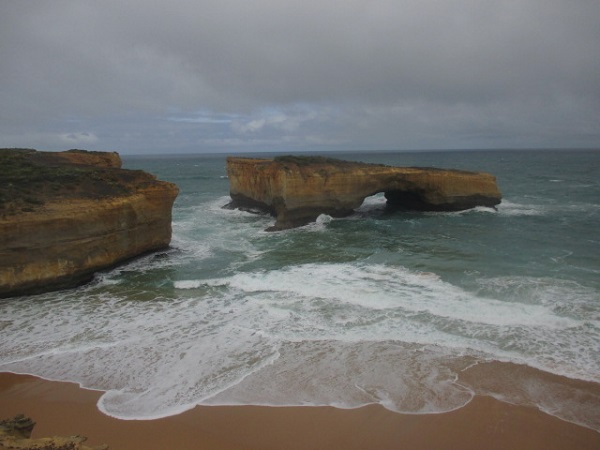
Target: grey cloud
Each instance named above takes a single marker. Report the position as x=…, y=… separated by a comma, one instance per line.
x=301, y=74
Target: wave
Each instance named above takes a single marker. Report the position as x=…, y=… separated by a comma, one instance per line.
x=508, y=208
x=241, y=318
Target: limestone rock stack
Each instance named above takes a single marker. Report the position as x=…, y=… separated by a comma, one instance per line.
x=66, y=215
x=296, y=190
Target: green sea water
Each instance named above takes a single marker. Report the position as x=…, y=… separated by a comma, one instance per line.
x=389, y=308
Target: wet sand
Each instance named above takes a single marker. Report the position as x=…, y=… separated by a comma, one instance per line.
x=65, y=409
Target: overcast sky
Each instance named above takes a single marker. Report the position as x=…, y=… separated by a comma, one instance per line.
x=147, y=76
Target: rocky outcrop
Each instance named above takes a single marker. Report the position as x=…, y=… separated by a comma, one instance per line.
x=87, y=158
x=66, y=215
x=296, y=190
x=16, y=434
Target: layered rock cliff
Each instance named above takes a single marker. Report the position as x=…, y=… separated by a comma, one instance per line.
x=296, y=190
x=66, y=215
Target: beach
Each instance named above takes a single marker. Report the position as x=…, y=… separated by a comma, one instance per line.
x=65, y=409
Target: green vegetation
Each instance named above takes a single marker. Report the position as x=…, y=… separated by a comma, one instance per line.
x=306, y=161
x=310, y=160
x=29, y=179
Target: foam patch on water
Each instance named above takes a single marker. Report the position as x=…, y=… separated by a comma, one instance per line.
x=323, y=219
x=372, y=205
x=188, y=284
x=349, y=375
x=343, y=334
x=190, y=248
x=508, y=208
x=169, y=389
x=378, y=287
x=200, y=233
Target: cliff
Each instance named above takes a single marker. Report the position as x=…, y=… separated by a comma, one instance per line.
x=296, y=190
x=66, y=215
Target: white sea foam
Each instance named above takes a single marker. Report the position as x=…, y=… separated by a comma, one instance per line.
x=323, y=219
x=234, y=315
x=480, y=209
x=188, y=284
x=378, y=287
x=372, y=204
x=508, y=208
x=384, y=372
x=341, y=334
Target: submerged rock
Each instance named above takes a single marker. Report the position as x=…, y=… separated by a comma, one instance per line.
x=296, y=190
x=66, y=215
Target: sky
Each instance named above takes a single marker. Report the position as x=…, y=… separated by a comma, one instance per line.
x=230, y=76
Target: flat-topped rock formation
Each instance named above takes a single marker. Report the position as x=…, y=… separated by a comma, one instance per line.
x=66, y=215
x=296, y=190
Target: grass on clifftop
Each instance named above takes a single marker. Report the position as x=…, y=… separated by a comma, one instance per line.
x=307, y=161
x=29, y=179
x=301, y=160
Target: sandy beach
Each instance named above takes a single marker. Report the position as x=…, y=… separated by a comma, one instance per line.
x=66, y=409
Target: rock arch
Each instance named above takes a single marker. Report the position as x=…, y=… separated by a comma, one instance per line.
x=296, y=190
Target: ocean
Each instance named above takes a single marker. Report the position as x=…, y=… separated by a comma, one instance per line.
x=418, y=312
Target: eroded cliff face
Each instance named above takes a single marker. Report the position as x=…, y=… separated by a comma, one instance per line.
x=297, y=190
x=74, y=218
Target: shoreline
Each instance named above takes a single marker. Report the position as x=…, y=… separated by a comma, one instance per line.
x=61, y=408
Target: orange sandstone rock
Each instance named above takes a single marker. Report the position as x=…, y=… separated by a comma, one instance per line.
x=296, y=190
x=78, y=221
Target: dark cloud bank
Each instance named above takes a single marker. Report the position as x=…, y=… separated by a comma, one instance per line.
x=193, y=76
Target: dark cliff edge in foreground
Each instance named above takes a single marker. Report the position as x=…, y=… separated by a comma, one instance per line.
x=66, y=215
x=297, y=189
